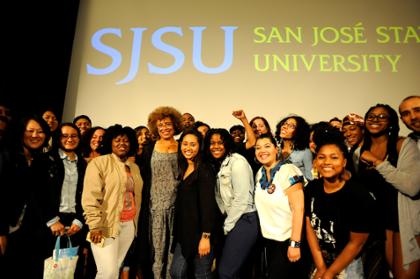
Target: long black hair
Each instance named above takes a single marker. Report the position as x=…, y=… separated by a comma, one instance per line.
x=227, y=143
x=392, y=131
x=44, y=126
x=85, y=144
x=301, y=135
x=266, y=124
x=182, y=162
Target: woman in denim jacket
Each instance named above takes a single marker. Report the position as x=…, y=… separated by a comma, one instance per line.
x=235, y=199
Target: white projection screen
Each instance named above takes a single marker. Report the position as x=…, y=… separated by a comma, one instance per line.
x=317, y=59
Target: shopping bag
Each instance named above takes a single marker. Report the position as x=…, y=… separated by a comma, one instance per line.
x=62, y=263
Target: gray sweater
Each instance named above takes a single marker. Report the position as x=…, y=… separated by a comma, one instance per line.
x=406, y=179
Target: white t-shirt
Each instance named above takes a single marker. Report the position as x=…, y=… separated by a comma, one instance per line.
x=274, y=209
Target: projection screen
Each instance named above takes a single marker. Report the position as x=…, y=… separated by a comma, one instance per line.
x=317, y=59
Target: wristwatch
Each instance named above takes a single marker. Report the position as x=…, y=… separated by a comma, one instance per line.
x=205, y=235
x=294, y=244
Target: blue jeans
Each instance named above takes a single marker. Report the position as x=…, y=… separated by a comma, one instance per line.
x=238, y=244
x=202, y=265
x=353, y=271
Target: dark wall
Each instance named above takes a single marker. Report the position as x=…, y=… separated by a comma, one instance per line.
x=37, y=43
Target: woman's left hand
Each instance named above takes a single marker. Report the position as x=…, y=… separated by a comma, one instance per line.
x=57, y=228
x=327, y=275
x=293, y=254
x=370, y=159
x=73, y=229
x=204, y=247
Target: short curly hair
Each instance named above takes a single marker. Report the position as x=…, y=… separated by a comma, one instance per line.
x=161, y=113
x=117, y=130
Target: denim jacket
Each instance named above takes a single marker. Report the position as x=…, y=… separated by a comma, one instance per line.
x=235, y=189
x=303, y=160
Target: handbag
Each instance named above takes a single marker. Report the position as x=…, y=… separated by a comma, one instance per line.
x=62, y=263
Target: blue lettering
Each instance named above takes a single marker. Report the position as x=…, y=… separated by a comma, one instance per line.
x=159, y=44
x=176, y=53
x=113, y=53
x=135, y=55
x=228, y=58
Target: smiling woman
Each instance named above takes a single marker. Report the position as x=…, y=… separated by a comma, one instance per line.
x=235, y=198
x=160, y=171
x=66, y=170
x=111, y=200
x=389, y=164
x=93, y=143
x=34, y=136
x=280, y=205
x=24, y=198
x=352, y=129
x=336, y=229
x=195, y=211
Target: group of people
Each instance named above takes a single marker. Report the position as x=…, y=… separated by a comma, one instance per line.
x=180, y=199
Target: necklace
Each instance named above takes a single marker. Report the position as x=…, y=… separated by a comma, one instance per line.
x=167, y=146
x=268, y=184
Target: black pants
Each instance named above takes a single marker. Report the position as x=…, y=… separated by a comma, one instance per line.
x=25, y=254
x=278, y=264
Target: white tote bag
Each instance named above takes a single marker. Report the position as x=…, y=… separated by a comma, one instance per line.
x=62, y=263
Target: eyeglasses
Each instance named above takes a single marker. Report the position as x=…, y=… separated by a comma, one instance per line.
x=72, y=136
x=31, y=132
x=165, y=124
x=380, y=117
x=289, y=125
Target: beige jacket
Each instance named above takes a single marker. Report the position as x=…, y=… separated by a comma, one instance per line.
x=103, y=193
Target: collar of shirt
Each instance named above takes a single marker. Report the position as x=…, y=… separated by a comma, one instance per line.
x=414, y=136
x=226, y=161
x=64, y=156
